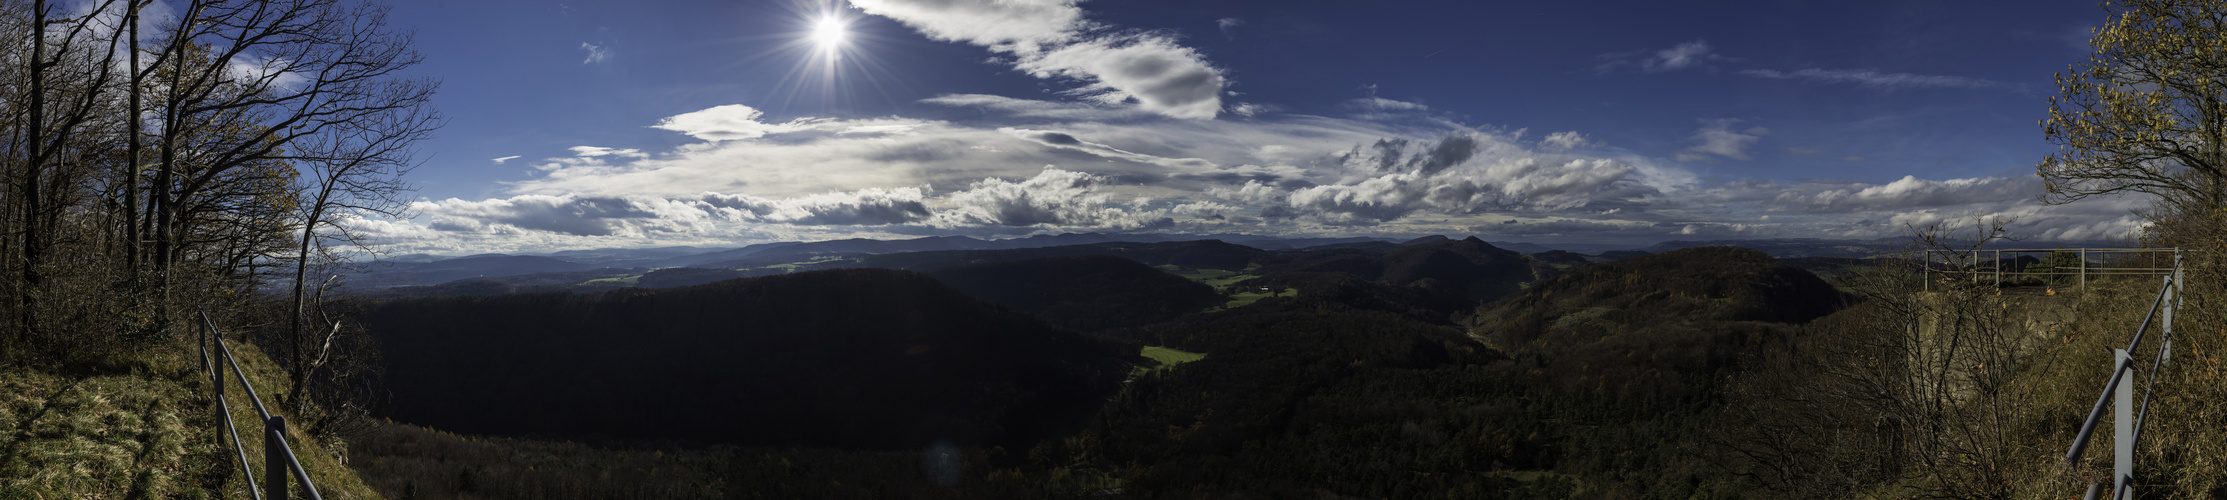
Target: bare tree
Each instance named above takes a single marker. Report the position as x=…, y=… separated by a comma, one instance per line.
x=356, y=172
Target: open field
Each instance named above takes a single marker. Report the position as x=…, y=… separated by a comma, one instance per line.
x=1242, y=299
x=1164, y=358
x=1211, y=277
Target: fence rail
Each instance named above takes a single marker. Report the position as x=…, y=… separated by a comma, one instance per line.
x=2126, y=424
x=2074, y=266
x=275, y=448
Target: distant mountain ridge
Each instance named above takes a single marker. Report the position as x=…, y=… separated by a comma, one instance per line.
x=426, y=270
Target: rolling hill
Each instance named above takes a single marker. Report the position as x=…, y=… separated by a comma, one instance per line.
x=1084, y=292
x=865, y=359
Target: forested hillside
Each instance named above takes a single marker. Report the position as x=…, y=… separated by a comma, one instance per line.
x=1083, y=293
x=859, y=359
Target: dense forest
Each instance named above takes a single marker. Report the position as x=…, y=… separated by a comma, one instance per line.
x=1699, y=373
x=866, y=359
x=1352, y=385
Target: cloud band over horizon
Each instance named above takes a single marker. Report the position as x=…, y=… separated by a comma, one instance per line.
x=1033, y=167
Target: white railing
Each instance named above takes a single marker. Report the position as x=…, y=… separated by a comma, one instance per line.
x=2075, y=266
x=2126, y=423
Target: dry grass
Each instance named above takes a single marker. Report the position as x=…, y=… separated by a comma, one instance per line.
x=324, y=461
x=111, y=436
x=142, y=427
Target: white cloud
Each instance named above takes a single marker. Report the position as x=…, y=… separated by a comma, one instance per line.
x=499, y=161
x=1717, y=138
x=1070, y=142
x=1372, y=173
x=647, y=216
x=1053, y=197
x=1008, y=25
x=1025, y=108
x=595, y=53
x=727, y=123
x=265, y=72
x=1692, y=54
x=1910, y=192
x=1565, y=141
x=593, y=151
x=1050, y=39
x=1873, y=79
x=1227, y=25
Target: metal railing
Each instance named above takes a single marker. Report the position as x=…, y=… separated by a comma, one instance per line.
x=275, y=449
x=2126, y=424
x=2020, y=263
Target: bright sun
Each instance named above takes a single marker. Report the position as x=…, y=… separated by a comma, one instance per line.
x=828, y=33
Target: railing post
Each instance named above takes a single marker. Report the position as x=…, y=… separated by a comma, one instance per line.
x=274, y=458
x=2122, y=435
x=2083, y=269
x=216, y=375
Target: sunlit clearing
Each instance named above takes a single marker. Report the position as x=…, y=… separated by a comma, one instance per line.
x=828, y=33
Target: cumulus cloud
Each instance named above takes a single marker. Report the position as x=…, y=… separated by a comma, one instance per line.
x=870, y=206
x=1910, y=192
x=1565, y=141
x=643, y=216
x=1873, y=79
x=1370, y=173
x=1459, y=174
x=1692, y=54
x=726, y=123
x=1717, y=138
x=1053, y=197
x=1051, y=39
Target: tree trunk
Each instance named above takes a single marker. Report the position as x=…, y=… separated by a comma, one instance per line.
x=300, y=397
x=27, y=297
x=131, y=152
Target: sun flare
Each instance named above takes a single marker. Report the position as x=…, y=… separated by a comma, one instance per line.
x=828, y=33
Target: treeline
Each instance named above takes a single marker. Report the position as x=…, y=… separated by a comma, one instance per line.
x=157, y=161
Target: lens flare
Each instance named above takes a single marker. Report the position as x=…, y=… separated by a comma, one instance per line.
x=828, y=33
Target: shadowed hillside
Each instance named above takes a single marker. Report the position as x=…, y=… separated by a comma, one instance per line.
x=850, y=358
x=1208, y=254
x=1468, y=267
x=1658, y=332
x=1084, y=293
x=1703, y=284
x=1351, y=387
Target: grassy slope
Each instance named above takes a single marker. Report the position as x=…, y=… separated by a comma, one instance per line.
x=144, y=429
x=329, y=471
x=1223, y=278
x=1165, y=358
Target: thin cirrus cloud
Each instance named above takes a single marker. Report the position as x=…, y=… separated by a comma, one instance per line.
x=1873, y=79
x=1052, y=39
x=1717, y=139
x=595, y=53
x=1693, y=54
x=1021, y=169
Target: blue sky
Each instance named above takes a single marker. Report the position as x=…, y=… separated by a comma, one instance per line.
x=727, y=123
